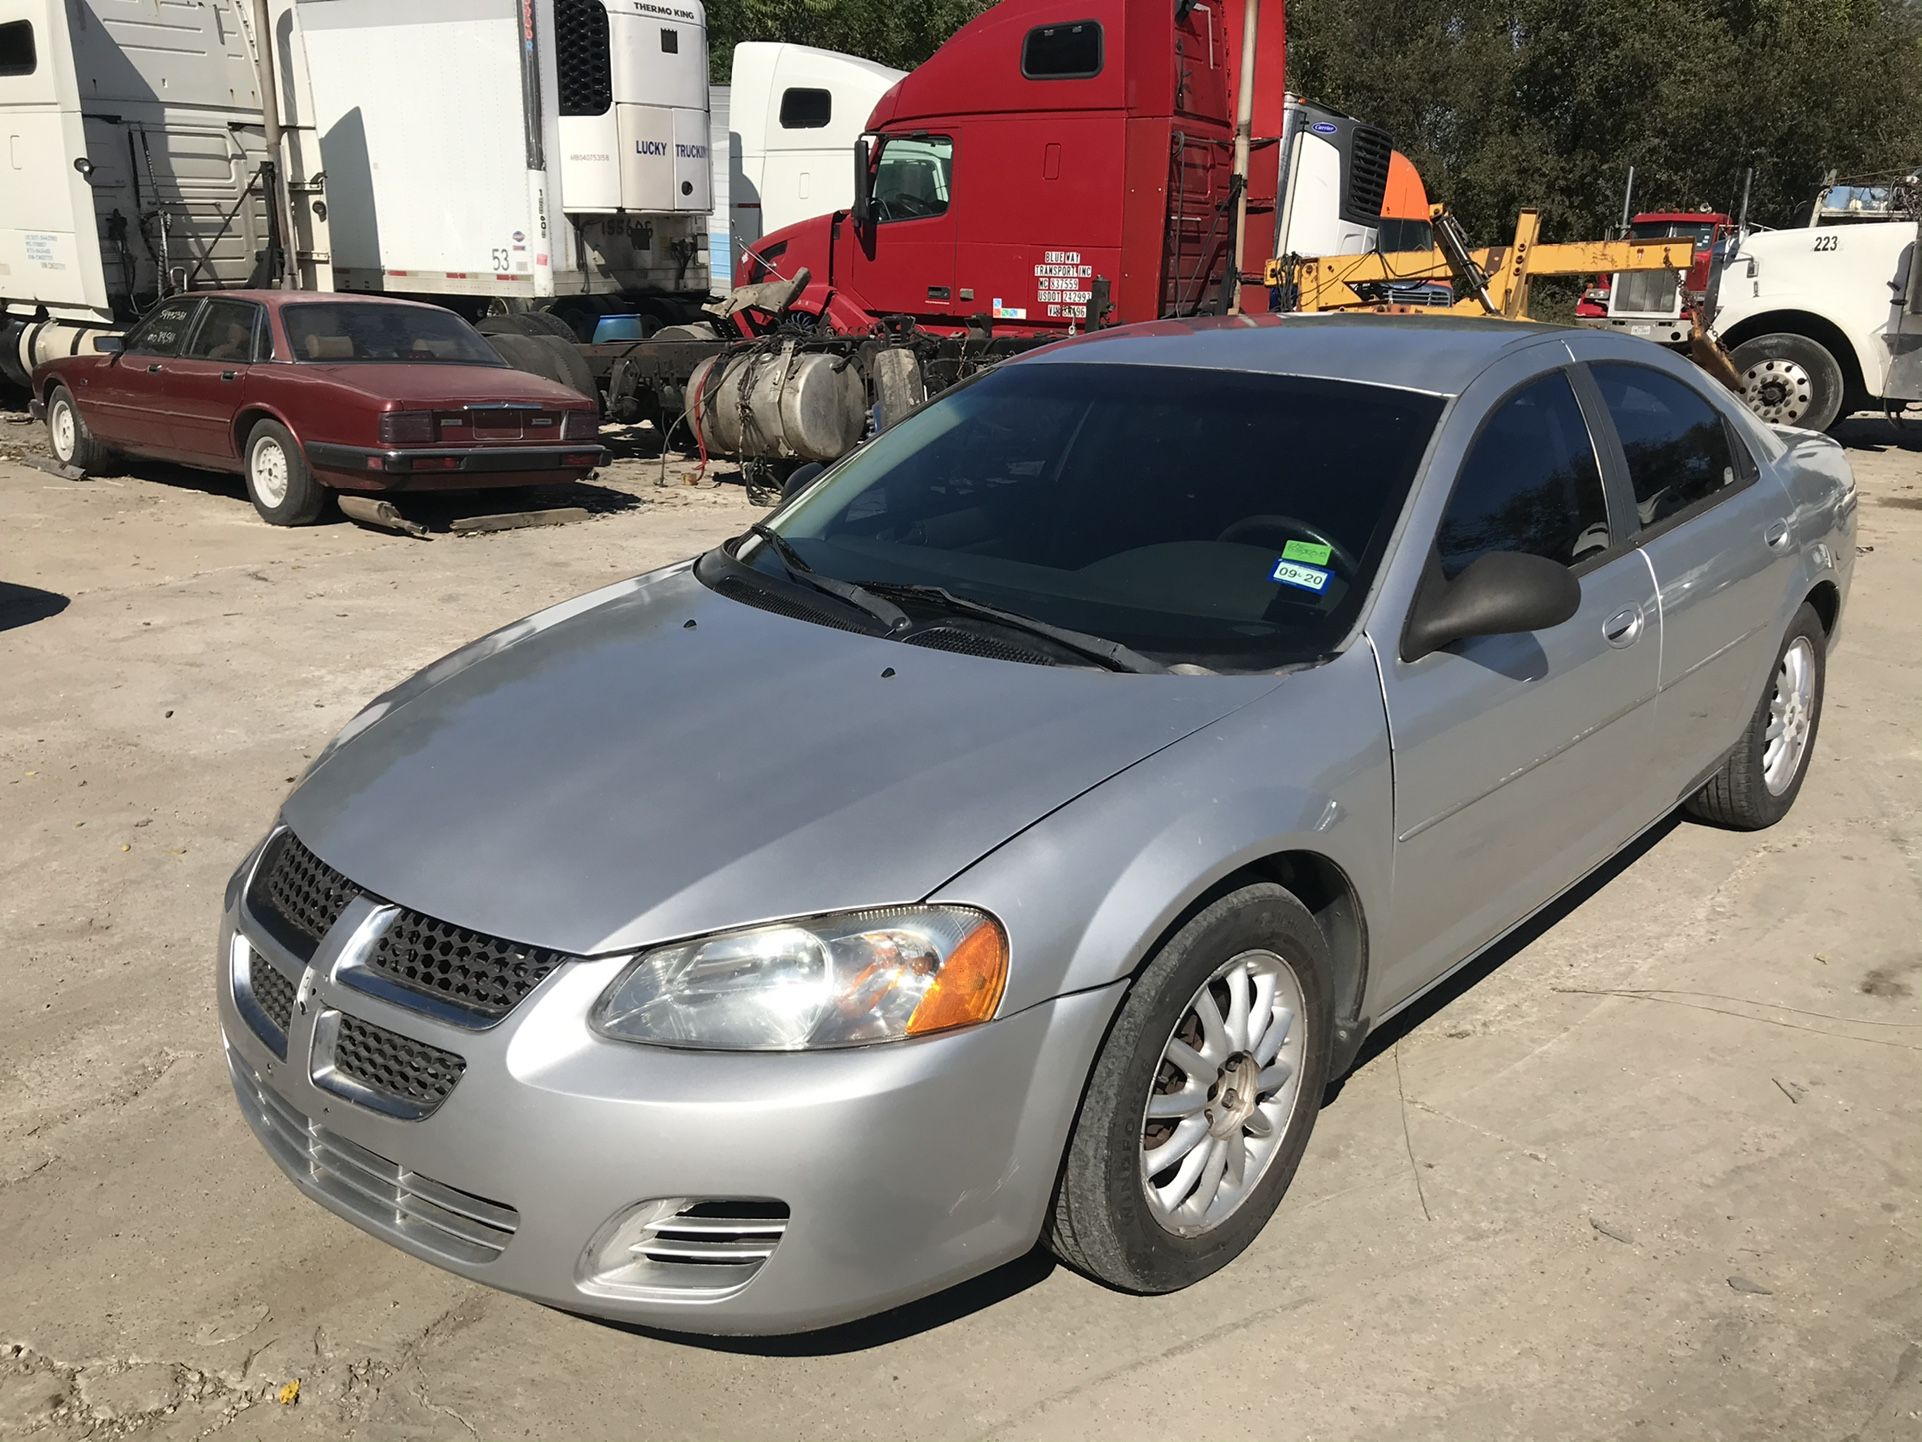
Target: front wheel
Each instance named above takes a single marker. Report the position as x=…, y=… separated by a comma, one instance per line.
x=74, y=444
x=1762, y=776
x=282, y=486
x=1202, y=1098
x=1790, y=380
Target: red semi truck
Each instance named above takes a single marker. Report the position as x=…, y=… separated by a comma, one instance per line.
x=1051, y=167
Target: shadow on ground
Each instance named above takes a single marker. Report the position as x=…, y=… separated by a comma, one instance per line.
x=23, y=605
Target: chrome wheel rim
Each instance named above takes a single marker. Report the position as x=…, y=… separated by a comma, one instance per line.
x=1791, y=716
x=1780, y=391
x=1224, y=1093
x=270, y=471
x=64, y=429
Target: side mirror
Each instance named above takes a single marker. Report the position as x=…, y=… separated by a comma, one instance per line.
x=1501, y=593
x=110, y=344
x=798, y=478
x=863, y=205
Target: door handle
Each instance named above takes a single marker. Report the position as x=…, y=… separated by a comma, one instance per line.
x=230, y=375
x=154, y=369
x=1623, y=628
x=1777, y=535
x=937, y=292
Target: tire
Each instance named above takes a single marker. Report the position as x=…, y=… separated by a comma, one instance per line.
x=71, y=439
x=1104, y=1223
x=528, y=323
x=1790, y=380
x=1748, y=793
x=547, y=357
x=279, y=480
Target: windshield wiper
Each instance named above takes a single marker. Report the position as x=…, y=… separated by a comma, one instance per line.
x=1112, y=654
x=798, y=569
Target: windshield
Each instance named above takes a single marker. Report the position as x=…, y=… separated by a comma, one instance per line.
x=1208, y=516
x=1700, y=233
x=337, y=331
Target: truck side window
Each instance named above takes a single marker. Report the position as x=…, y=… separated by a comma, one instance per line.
x=1676, y=443
x=16, y=48
x=912, y=176
x=163, y=330
x=1530, y=483
x=803, y=108
x=1062, y=52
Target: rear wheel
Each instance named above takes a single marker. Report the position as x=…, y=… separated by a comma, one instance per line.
x=1202, y=1098
x=546, y=356
x=1763, y=774
x=282, y=486
x=1790, y=380
x=73, y=443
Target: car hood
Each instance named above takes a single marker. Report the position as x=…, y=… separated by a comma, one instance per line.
x=433, y=383
x=657, y=760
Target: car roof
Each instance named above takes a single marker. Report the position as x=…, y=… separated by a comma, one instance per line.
x=1436, y=354
x=306, y=297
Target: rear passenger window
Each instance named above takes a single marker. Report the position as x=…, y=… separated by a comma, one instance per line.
x=226, y=333
x=1676, y=442
x=1530, y=483
x=804, y=108
x=164, y=328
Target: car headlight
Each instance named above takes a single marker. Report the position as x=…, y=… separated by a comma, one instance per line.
x=828, y=981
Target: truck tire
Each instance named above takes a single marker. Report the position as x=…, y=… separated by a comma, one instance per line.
x=1790, y=380
x=1147, y=1096
x=526, y=322
x=570, y=365
x=279, y=481
x=73, y=443
x=546, y=356
x=1763, y=774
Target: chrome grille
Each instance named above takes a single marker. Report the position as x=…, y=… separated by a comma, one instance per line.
x=1644, y=292
x=297, y=896
x=382, y=1195
x=482, y=972
x=271, y=989
x=396, y=1066
x=714, y=1234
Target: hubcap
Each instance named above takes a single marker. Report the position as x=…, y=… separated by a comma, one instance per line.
x=1779, y=391
x=1791, y=717
x=1224, y=1093
x=270, y=471
x=64, y=431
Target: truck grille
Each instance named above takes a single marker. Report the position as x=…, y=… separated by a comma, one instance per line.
x=1367, y=173
x=296, y=897
x=271, y=989
x=396, y=1065
x=1644, y=292
x=383, y=1196
x=584, y=57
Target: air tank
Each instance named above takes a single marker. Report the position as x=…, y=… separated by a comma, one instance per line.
x=779, y=404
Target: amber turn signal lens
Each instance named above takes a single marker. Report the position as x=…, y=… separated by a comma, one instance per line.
x=969, y=985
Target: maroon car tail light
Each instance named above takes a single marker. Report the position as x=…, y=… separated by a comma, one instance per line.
x=407, y=428
x=581, y=426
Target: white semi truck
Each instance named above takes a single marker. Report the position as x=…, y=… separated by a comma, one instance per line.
x=1824, y=320
x=513, y=156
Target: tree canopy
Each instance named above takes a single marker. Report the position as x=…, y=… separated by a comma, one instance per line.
x=1506, y=103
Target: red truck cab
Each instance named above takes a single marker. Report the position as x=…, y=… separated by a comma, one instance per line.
x=1650, y=303
x=1043, y=148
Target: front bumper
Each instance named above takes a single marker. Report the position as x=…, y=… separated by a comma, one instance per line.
x=903, y=1167
x=1663, y=330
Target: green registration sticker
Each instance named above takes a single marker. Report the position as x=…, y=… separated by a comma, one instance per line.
x=1314, y=555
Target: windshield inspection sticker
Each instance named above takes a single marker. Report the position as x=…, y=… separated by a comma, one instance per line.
x=1309, y=551
x=1293, y=573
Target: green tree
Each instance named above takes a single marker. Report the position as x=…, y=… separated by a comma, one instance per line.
x=894, y=34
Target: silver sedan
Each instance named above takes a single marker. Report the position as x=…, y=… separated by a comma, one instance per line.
x=1010, y=840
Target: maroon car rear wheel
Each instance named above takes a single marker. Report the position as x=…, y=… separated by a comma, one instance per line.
x=279, y=480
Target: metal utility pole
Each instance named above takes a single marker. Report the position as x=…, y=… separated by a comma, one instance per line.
x=1628, y=205
x=1244, y=128
x=278, y=198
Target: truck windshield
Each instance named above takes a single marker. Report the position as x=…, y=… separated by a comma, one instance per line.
x=1229, y=520
x=340, y=331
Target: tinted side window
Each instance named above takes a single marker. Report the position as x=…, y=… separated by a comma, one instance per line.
x=1062, y=52
x=1677, y=446
x=16, y=48
x=1530, y=483
x=162, y=332
x=805, y=109
x=225, y=333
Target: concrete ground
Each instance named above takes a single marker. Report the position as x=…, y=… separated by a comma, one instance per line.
x=1652, y=1171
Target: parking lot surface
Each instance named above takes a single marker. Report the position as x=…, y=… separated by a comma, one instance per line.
x=1653, y=1169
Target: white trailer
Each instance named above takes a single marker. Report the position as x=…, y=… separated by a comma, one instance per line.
x=1824, y=320
x=131, y=145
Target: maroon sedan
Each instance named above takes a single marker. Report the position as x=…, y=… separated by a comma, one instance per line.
x=303, y=393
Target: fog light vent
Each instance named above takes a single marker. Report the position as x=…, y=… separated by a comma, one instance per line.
x=681, y=1246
